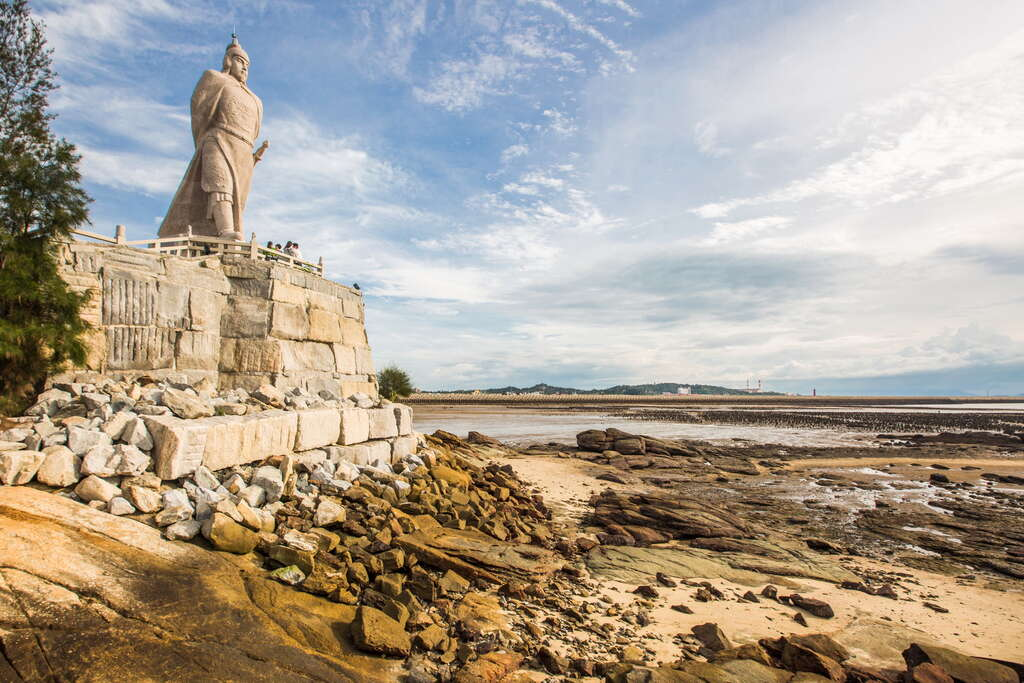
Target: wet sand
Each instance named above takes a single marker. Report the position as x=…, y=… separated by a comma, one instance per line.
x=984, y=619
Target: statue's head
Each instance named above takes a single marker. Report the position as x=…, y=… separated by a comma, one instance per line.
x=236, y=61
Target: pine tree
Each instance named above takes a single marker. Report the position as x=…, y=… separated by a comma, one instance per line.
x=394, y=383
x=40, y=203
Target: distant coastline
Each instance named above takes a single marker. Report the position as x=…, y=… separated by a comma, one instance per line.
x=590, y=399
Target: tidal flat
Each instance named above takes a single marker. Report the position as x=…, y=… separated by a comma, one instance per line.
x=922, y=504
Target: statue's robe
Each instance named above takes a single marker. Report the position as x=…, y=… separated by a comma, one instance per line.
x=226, y=119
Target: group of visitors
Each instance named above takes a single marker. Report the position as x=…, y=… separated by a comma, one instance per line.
x=291, y=249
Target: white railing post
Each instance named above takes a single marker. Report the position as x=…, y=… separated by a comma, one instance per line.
x=120, y=234
x=253, y=249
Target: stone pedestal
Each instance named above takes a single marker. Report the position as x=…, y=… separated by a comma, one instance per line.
x=235, y=320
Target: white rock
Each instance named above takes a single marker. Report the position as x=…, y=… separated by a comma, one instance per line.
x=267, y=521
x=205, y=478
x=93, y=401
x=81, y=440
x=186, y=406
x=120, y=506
x=18, y=467
x=253, y=495
x=235, y=483
x=17, y=434
x=328, y=512
x=228, y=508
x=136, y=434
x=99, y=460
x=11, y=446
x=44, y=428
x=250, y=516
x=402, y=447
x=115, y=426
x=270, y=395
x=300, y=541
x=184, y=530
x=346, y=471
x=401, y=487
x=130, y=461
x=60, y=467
x=59, y=438
x=92, y=488
x=270, y=480
x=170, y=515
x=176, y=498
x=145, y=499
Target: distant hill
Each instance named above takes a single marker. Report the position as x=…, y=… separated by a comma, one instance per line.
x=628, y=389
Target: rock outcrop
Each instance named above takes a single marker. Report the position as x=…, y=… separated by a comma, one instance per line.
x=92, y=597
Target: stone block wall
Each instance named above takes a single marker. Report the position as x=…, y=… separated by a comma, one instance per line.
x=237, y=321
x=356, y=435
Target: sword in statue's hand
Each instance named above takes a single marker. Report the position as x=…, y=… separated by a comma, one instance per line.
x=258, y=154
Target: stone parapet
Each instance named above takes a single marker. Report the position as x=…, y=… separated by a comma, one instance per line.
x=234, y=320
x=181, y=446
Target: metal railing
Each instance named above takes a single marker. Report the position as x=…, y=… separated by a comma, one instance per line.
x=197, y=246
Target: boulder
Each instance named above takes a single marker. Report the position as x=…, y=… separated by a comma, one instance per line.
x=453, y=477
x=962, y=668
x=489, y=668
x=145, y=499
x=271, y=395
x=60, y=468
x=119, y=505
x=270, y=480
x=595, y=440
x=818, y=608
x=711, y=636
x=81, y=440
x=89, y=595
x=185, y=530
x=226, y=534
x=185, y=405
x=18, y=467
x=93, y=488
x=374, y=631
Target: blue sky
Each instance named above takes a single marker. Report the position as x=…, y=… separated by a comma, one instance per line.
x=595, y=192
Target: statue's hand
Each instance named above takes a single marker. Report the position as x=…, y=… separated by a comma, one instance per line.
x=259, y=152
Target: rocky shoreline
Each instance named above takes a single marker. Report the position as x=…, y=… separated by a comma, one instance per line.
x=1008, y=424
x=441, y=562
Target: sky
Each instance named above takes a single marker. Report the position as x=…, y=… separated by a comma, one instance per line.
x=824, y=195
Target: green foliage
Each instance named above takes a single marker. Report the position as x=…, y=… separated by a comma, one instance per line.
x=40, y=203
x=394, y=383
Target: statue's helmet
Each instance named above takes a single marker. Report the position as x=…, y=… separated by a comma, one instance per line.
x=233, y=50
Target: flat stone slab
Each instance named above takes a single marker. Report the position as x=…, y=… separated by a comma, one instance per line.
x=473, y=554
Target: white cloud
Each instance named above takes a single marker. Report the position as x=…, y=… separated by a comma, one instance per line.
x=705, y=136
x=462, y=85
x=746, y=230
x=622, y=6
x=513, y=152
x=625, y=57
x=560, y=123
x=142, y=172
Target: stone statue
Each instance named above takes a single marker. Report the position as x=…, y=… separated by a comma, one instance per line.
x=226, y=118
